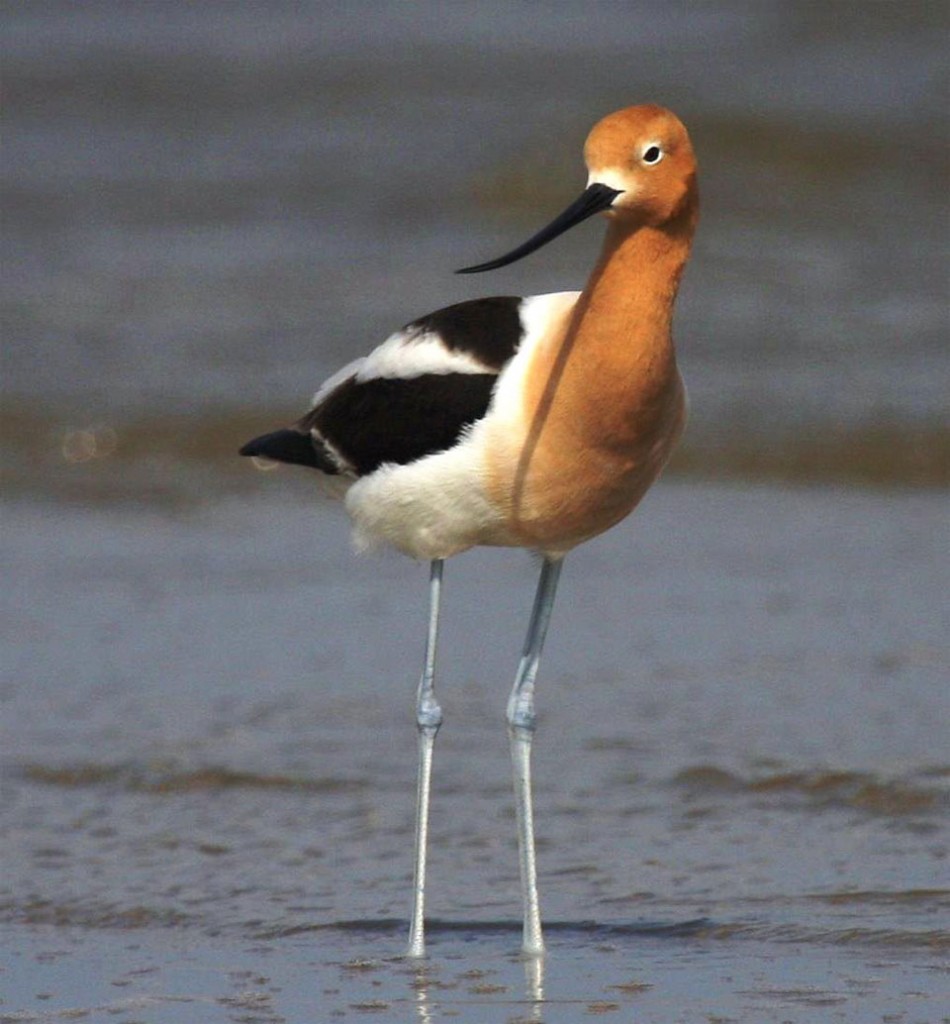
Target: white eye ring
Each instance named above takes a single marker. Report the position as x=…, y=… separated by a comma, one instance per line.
x=652, y=155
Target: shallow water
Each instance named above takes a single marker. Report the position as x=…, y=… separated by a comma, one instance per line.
x=171, y=979
x=209, y=770
x=207, y=703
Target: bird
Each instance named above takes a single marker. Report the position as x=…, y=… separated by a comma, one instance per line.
x=534, y=423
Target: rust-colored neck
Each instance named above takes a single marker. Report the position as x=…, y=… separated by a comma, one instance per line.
x=628, y=299
x=617, y=351
x=604, y=403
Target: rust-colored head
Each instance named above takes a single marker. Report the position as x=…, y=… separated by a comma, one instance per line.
x=642, y=172
x=645, y=154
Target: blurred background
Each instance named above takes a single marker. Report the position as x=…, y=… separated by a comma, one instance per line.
x=207, y=715
x=208, y=207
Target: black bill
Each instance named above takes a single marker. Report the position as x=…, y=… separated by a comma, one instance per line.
x=592, y=200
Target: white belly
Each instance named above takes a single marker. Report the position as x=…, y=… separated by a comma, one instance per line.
x=432, y=508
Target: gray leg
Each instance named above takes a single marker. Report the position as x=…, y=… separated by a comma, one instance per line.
x=428, y=720
x=521, y=725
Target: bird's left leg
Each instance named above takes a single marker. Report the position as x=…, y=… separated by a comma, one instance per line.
x=521, y=725
x=428, y=720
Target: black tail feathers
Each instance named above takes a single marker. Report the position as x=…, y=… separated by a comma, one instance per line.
x=289, y=446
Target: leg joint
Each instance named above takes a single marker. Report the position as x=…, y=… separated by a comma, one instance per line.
x=521, y=716
x=428, y=716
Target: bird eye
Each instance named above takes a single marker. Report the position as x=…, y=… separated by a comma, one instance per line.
x=652, y=155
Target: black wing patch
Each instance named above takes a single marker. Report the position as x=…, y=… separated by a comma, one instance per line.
x=399, y=420
x=488, y=329
x=363, y=424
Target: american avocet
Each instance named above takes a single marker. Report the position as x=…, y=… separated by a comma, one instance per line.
x=536, y=422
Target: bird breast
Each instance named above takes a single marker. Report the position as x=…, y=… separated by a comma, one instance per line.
x=592, y=436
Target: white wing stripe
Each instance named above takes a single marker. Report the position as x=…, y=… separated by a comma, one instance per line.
x=333, y=382
x=410, y=354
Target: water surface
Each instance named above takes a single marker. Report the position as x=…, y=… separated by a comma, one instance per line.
x=207, y=701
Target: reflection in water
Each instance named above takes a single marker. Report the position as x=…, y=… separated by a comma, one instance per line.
x=423, y=985
x=420, y=985
x=534, y=986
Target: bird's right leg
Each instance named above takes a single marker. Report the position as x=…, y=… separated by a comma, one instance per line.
x=521, y=724
x=428, y=720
